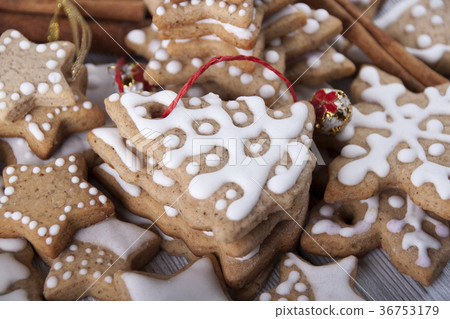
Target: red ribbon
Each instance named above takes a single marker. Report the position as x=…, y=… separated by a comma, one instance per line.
x=118, y=76
x=219, y=59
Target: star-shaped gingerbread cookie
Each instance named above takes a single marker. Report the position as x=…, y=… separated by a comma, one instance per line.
x=417, y=241
x=45, y=128
x=301, y=281
x=395, y=138
x=19, y=281
x=47, y=204
x=87, y=266
x=33, y=75
x=199, y=281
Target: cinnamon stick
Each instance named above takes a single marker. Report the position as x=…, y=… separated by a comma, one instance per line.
x=129, y=10
x=364, y=40
x=413, y=65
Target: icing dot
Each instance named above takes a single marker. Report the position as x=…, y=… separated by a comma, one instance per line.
x=114, y=97
x=436, y=4
x=51, y=64
x=73, y=247
x=97, y=274
x=312, y=26
x=83, y=271
x=240, y=118
x=160, y=10
x=197, y=62
x=212, y=160
x=101, y=253
x=241, y=12
x=99, y=261
x=267, y=91
x=272, y=56
x=435, y=126
x=161, y=55
x=269, y=75
x=16, y=216
x=102, y=199
x=222, y=4
x=171, y=141
x=195, y=101
x=46, y=127
x=192, y=168
x=338, y=57
x=72, y=158
x=84, y=262
x=87, y=105
x=280, y=170
x=75, y=180
x=80, y=205
x=232, y=8
x=93, y=191
x=62, y=218
x=58, y=265
x=60, y=162
x=25, y=220
x=232, y=105
x=54, y=46
x=418, y=11
x=84, y=185
x=7, y=40
x=70, y=258
x=73, y=168
x=424, y=41
x=40, y=48
x=10, y=170
x=407, y=155
x=173, y=67
x=321, y=15
x=57, y=88
x=54, y=77
x=24, y=45
x=108, y=279
x=15, y=34
x=206, y=128
x=2, y=48
x=9, y=190
x=51, y=282
x=234, y=71
x=32, y=225
x=3, y=199
x=88, y=250
x=436, y=149
x=67, y=275
x=50, y=115
x=277, y=114
x=231, y=193
x=437, y=20
x=42, y=231
x=154, y=65
x=7, y=214
x=15, y=96
x=246, y=78
x=410, y=28
x=396, y=201
x=221, y=204
x=54, y=230
x=2, y=105
x=92, y=202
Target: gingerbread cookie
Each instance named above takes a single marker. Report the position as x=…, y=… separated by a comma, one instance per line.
x=199, y=281
x=19, y=280
x=239, y=266
x=87, y=266
x=45, y=127
x=47, y=204
x=422, y=27
x=301, y=281
x=417, y=241
x=167, y=15
x=241, y=205
x=395, y=138
x=316, y=67
x=32, y=75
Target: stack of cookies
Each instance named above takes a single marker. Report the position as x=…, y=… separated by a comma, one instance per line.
x=185, y=35
x=225, y=177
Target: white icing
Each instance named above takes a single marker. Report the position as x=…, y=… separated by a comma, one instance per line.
x=13, y=244
x=131, y=189
x=329, y=282
x=12, y=271
x=170, y=211
x=331, y=228
x=197, y=283
x=404, y=127
x=204, y=185
x=104, y=234
x=250, y=255
x=416, y=216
